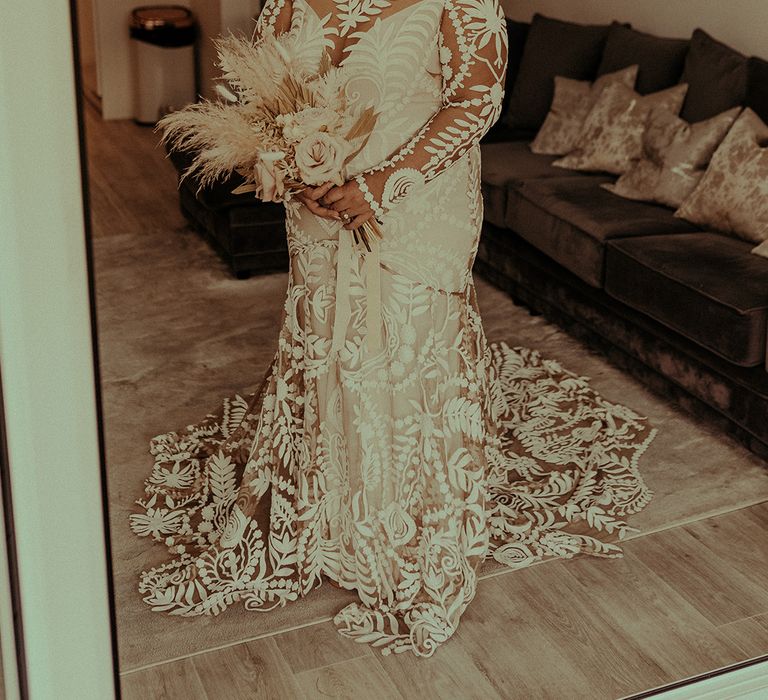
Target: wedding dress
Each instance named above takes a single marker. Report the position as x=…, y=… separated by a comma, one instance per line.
x=394, y=467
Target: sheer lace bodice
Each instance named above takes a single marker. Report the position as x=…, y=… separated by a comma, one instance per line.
x=449, y=55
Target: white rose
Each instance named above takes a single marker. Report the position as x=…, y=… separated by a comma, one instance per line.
x=320, y=158
x=307, y=121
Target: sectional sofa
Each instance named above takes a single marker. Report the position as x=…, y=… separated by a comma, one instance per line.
x=681, y=308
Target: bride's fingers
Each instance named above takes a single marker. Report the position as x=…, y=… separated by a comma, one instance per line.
x=357, y=221
x=316, y=192
x=315, y=208
x=337, y=198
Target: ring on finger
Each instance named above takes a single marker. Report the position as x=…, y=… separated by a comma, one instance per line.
x=345, y=217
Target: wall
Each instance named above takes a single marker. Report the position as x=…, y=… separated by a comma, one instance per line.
x=86, y=33
x=112, y=19
x=216, y=18
x=742, y=24
x=111, y=23
x=86, y=21
x=208, y=15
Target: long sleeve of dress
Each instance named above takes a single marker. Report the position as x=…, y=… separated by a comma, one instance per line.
x=276, y=15
x=473, y=48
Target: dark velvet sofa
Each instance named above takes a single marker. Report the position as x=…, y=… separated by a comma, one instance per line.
x=684, y=310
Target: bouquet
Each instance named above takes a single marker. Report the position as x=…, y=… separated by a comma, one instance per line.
x=279, y=125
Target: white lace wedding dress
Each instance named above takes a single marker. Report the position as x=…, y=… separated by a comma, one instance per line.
x=392, y=467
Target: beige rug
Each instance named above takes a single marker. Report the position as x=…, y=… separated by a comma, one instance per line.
x=178, y=334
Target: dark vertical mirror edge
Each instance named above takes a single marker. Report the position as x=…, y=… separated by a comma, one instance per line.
x=78, y=87
x=10, y=548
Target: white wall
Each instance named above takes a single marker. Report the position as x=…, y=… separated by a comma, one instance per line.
x=112, y=21
x=742, y=24
x=216, y=18
x=85, y=30
x=112, y=18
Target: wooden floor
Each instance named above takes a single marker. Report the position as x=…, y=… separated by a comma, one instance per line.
x=681, y=602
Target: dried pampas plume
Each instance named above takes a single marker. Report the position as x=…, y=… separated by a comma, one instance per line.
x=268, y=103
x=229, y=133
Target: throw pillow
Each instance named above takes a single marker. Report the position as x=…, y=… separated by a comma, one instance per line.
x=612, y=137
x=717, y=76
x=732, y=197
x=517, y=34
x=660, y=60
x=552, y=48
x=572, y=103
x=762, y=249
x=757, y=87
x=675, y=156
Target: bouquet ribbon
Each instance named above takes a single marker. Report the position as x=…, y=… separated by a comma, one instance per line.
x=345, y=260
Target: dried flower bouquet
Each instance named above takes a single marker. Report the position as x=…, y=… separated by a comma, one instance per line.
x=277, y=125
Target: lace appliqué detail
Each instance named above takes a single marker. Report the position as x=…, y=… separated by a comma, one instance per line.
x=473, y=51
x=400, y=184
x=355, y=12
x=378, y=212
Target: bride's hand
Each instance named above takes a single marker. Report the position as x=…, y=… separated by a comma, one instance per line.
x=309, y=196
x=349, y=198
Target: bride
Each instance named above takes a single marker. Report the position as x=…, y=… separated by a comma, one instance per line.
x=390, y=448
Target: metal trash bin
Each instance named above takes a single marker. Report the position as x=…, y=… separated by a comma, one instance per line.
x=164, y=61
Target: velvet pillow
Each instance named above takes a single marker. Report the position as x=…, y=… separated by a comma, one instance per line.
x=732, y=197
x=660, y=60
x=757, y=87
x=552, y=48
x=612, y=137
x=570, y=107
x=517, y=35
x=761, y=249
x=716, y=75
x=675, y=156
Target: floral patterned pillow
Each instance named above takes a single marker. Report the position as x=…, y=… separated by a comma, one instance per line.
x=732, y=197
x=761, y=249
x=570, y=107
x=612, y=138
x=675, y=156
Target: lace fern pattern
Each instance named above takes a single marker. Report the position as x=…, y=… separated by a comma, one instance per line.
x=392, y=472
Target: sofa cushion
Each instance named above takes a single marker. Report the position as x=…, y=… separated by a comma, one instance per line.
x=660, y=60
x=716, y=75
x=705, y=286
x=571, y=218
x=505, y=164
x=503, y=132
x=553, y=48
x=216, y=196
x=757, y=87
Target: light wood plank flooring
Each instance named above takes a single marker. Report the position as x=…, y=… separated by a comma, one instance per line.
x=682, y=601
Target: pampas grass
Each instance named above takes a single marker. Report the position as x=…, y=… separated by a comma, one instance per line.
x=271, y=102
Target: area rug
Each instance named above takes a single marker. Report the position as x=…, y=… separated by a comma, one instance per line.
x=178, y=333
